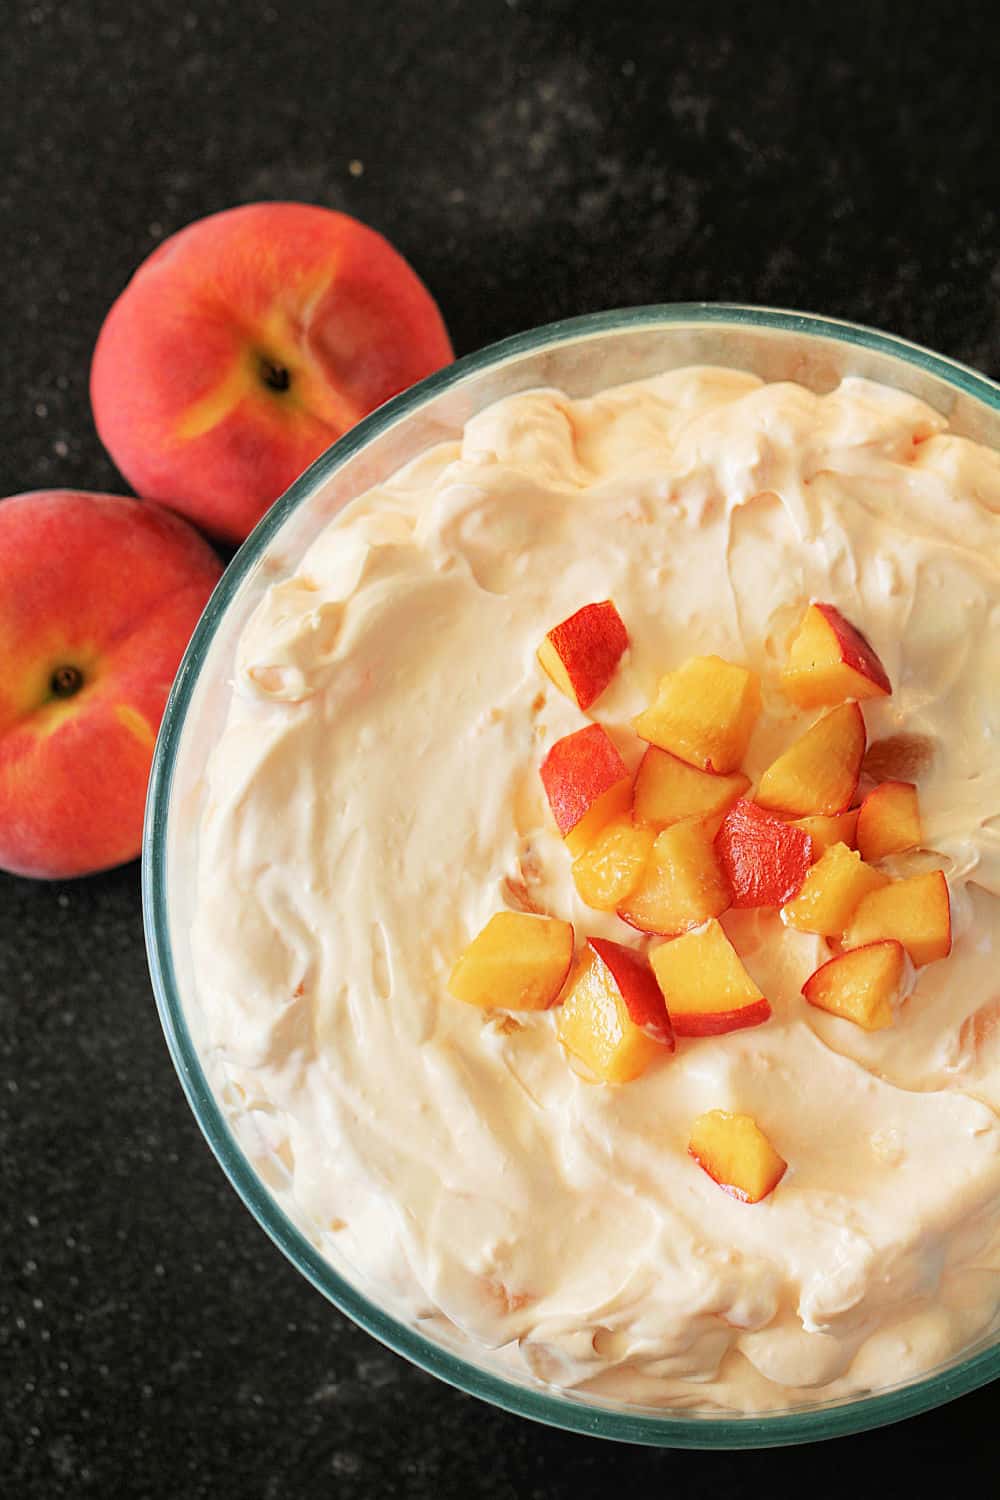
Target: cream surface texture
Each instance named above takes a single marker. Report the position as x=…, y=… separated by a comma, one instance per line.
x=375, y=798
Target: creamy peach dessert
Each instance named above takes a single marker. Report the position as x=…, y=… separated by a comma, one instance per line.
x=599, y=891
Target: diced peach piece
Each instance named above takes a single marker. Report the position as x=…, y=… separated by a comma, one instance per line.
x=587, y=784
x=703, y=713
x=819, y=772
x=517, y=962
x=706, y=988
x=764, y=858
x=860, y=985
x=581, y=654
x=841, y=828
x=889, y=820
x=613, y=1018
x=668, y=790
x=682, y=885
x=736, y=1154
x=916, y=912
x=609, y=870
x=829, y=660
x=831, y=892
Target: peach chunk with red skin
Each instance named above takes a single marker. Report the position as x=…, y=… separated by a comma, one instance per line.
x=581, y=654
x=916, y=912
x=860, y=985
x=612, y=1018
x=517, y=962
x=889, y=820
x=668, y=790
x=610, y=868
x=736, y=1154
x=587, y=784
x=829, y=661
x=819, y=772
x=99, y=595
x=703, y=713
x=706, y=988
x=245, y=345
x=682, y=884
x=831, y=892
x=764, y=858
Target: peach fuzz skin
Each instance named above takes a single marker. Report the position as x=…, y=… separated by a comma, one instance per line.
x=98, y=598
x=248, y=343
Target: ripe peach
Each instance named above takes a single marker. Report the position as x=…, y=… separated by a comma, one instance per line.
x=98, y=598
x=245, y=345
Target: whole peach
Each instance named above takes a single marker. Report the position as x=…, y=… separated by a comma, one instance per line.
x=98, y=598
x=245, y=345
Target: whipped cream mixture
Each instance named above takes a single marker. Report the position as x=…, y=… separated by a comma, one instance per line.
x=375, y=798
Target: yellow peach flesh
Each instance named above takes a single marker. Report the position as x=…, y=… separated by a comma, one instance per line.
x=517, y=962
x=703, y=713
x=609, y=870
x=594, y=1025
x=736, y=1154
x=831, y=892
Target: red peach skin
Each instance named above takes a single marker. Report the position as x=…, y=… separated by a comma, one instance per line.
x=245, y=345
x=587, y=784
x=581, y=654
x=98, y=598
x=638, y=988
x=764, y=858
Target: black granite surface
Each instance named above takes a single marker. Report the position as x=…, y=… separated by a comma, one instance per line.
x=533, y=160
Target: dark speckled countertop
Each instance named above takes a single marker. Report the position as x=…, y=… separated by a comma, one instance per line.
x=534, y=160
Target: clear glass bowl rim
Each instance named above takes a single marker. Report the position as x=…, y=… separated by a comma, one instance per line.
x=669, y=1429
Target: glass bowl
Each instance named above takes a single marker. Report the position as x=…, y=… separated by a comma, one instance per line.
x=581, y=356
